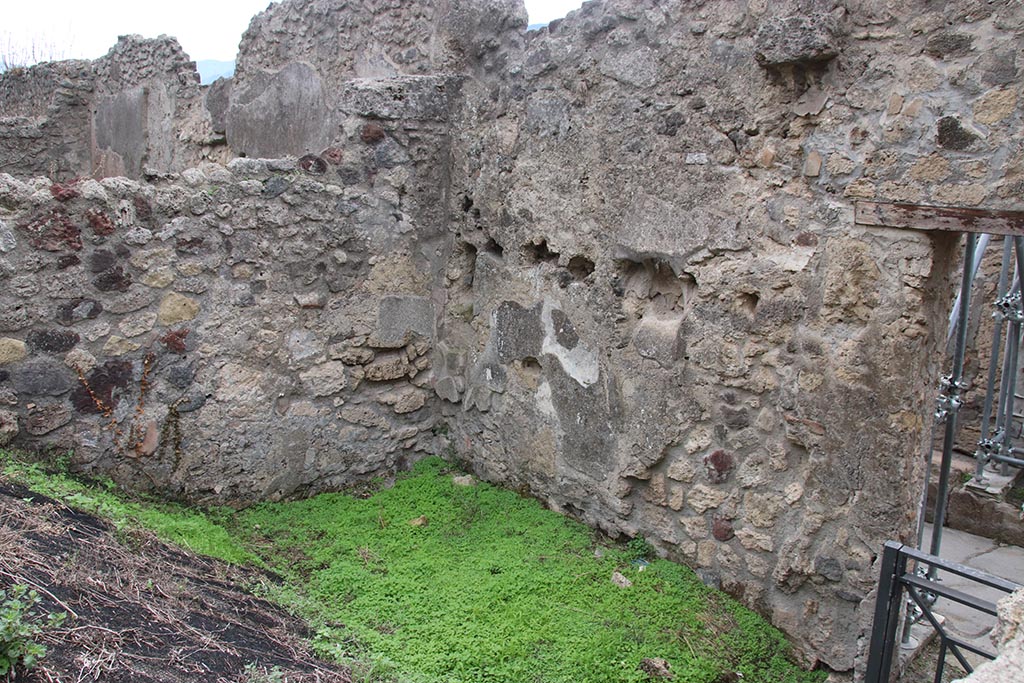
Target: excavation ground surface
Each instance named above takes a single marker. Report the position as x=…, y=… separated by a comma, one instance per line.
x=434, y=578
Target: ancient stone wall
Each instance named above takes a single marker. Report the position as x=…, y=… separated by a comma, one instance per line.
x=242, y=333
x=136, y=111
x=45, y=119
x=662, y=318
x=612, y=262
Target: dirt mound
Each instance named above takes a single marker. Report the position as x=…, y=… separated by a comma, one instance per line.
x=141, y=611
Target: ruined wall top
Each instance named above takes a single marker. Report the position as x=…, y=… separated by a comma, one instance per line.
x=346, y=39
x=134, y=61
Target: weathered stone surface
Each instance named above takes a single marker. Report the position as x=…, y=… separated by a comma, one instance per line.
x=718, y=465
x=401, y=316
x=8, y=427
x=268, y=115
x=487, y=227
x=41, y=378
x=78, y=310
x=80, y=360
x=406, y=401
x=796, y=39
x=119, y=346
x=53, y=340
x=701, y=498
x=995, y=106
x=722, y=529
x=7, y=240
x=11, y=350
x=387, y=367
x=952, y=134
x=137, y=323
x=325, y=379
x=176, y=308
x=43, y=419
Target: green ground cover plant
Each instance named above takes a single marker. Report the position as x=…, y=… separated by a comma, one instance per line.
x=20, y=626
x=427, y=581
x=195, y=530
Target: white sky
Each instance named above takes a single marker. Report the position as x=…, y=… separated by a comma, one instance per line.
x=206, y=29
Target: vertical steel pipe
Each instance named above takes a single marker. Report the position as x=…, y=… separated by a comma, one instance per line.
x=953, y=388
x=993, y=361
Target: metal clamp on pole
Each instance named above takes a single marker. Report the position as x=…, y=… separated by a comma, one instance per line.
x=1009, y=307
x=948, y=401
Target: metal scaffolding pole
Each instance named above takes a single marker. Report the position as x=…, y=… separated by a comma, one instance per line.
x=950, y=401
x=985, y=445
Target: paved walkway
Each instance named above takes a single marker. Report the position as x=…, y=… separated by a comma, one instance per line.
x=989, y=556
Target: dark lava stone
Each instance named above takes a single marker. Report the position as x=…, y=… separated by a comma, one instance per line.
x=274, y=187
x=101, y=382
x=113, y=280
x=53, y=341
x=41, y=378
x=77, y=310
x=954, y=136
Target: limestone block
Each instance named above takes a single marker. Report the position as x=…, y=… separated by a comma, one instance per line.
x=7, y=239
x=761, y=509
x=80, y=360
x=138, y=323
x=119, y=346
x=755, y=540
x=177, y=308
x=994, y=106
x=11, y=350
x=1011, y=619
x=682, y=469
x=930, y=169
x=357, y=355
x=325, y=379
x=158, y=278
x=703, y=498
x=404, y=401
x=659, y=339
x=796, y=39
x=385, y=368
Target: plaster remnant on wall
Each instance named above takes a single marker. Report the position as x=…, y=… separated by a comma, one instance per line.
x=577, y=361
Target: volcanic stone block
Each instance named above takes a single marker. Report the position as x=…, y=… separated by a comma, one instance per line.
x=800, y=39
x=398, y=316
x=41, y=378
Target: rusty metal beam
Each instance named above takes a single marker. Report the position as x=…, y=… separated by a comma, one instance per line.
x=941, y=218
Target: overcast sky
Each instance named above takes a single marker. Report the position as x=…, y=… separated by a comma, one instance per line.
x=206, y=29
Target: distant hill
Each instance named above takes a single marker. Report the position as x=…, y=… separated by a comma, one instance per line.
x=212, y=69
x=534, y=27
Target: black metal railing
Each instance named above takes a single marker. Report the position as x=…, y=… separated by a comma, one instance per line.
x=896, y=583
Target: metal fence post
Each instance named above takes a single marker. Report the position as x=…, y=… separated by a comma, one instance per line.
x=887, y=614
